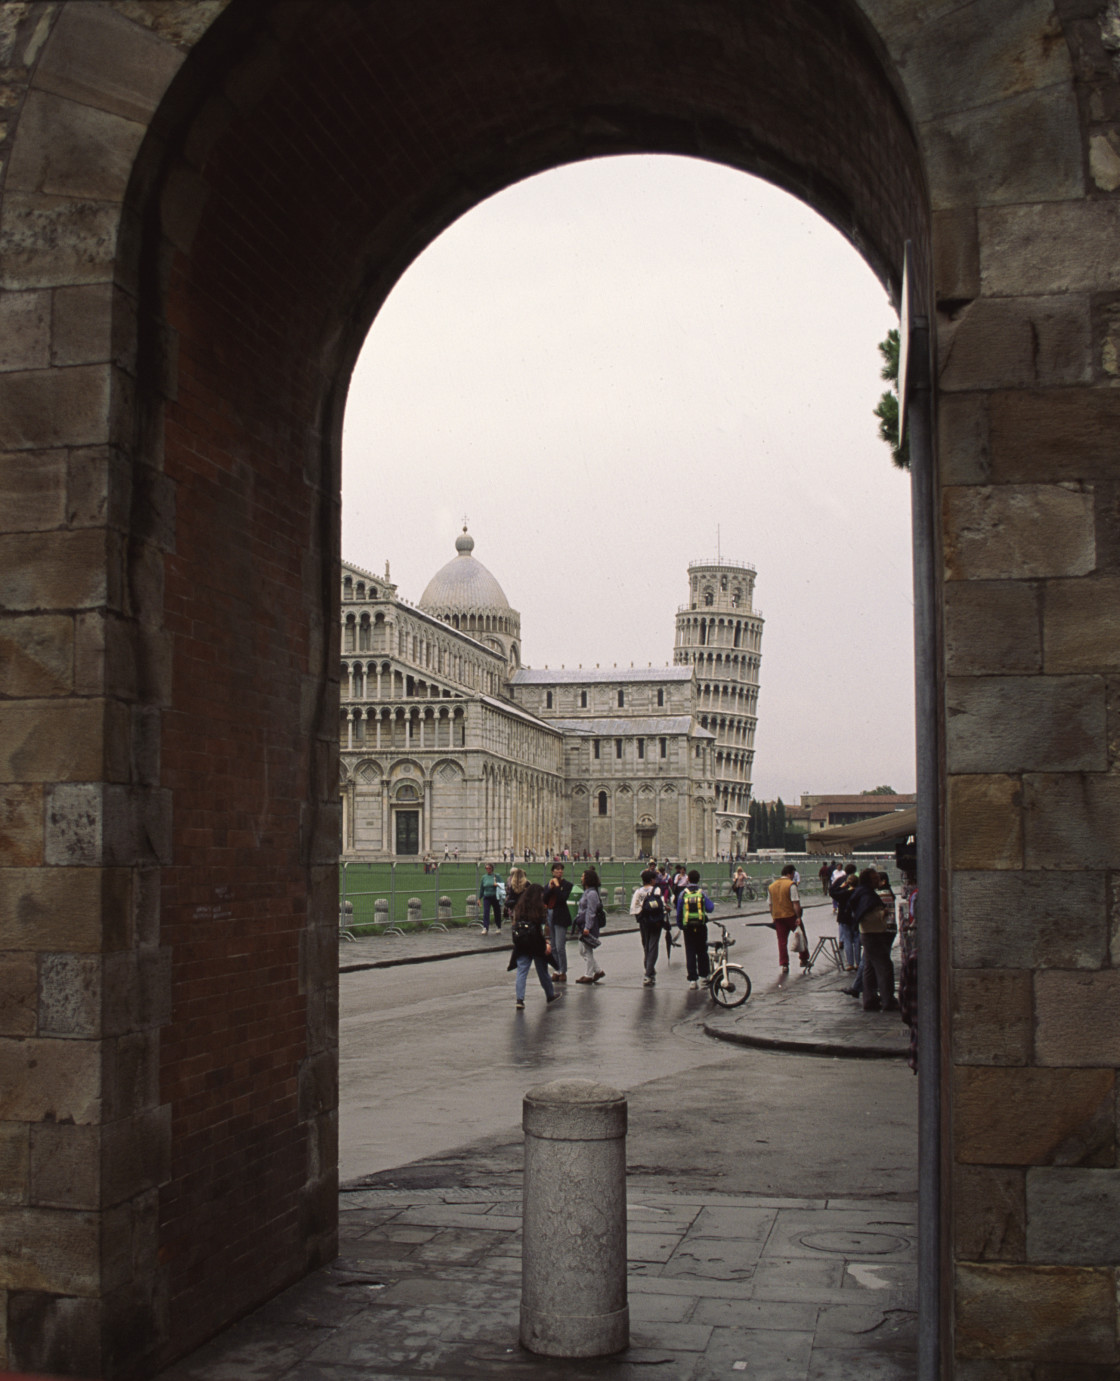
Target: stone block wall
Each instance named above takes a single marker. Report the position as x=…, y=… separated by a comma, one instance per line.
x=1025, y=249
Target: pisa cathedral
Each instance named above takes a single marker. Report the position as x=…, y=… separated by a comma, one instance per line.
x=450, y=746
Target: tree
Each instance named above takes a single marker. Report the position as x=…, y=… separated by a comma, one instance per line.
x=887, y=410
x=880, y=791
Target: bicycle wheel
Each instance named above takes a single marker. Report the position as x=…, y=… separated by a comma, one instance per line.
x=730, y=987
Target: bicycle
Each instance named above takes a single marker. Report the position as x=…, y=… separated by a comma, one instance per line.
x=729, y=985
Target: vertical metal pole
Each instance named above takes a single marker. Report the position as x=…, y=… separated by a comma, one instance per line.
x=926, y=673
x=393, y=892
x=342, y=900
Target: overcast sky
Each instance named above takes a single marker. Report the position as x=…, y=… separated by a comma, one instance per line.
x=616, y=368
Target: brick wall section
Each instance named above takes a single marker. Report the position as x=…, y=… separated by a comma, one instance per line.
x=178, y=313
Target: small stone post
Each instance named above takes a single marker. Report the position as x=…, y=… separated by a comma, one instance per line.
x=381, y=911
x=415, y=910
x=472, y=909
x=619, y=896
x=444, y=912
x=573, y=1255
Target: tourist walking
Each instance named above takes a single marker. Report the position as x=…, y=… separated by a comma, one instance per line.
x=531, y=945
x=488, y=886
x=693, y=906
x=556, y=896
x=738, y=883
x=650, y=906
x=785, y=912
x=588, y=916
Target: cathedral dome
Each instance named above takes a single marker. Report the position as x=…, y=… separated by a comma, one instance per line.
x=463, y=586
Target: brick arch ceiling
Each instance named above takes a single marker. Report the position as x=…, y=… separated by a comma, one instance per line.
x=347, y=136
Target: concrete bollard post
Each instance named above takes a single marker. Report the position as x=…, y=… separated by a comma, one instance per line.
x=472, y=909
x=619, y=896
x=381, y=911
x=415, y=910
x=573, y=1254
x=444, y=912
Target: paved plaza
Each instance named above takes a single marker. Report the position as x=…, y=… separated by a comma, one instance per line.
x=722, y=1281
x=428, y=1284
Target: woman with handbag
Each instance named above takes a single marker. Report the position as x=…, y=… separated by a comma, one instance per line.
x=530, y=943
x=877, y=934
x=587, y=923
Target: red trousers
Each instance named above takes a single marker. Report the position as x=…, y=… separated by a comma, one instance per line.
x=785, y=928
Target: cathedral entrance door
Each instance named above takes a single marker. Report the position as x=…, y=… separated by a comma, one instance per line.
x=408, y=831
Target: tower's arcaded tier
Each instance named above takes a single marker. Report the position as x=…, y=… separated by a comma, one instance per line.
x=719, y=634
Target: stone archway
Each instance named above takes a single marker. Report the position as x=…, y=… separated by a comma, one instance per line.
x=202, y=209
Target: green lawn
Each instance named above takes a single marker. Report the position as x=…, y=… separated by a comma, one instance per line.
x=362, y=883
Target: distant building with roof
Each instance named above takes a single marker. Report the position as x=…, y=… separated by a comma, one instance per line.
x=830, y=812
x=449, y=746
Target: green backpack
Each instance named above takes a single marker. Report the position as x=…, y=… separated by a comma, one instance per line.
x=692, y=912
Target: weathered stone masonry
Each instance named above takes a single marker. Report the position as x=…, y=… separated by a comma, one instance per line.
x=202, y=207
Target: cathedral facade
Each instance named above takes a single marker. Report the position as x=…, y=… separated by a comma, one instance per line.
x=450, y=747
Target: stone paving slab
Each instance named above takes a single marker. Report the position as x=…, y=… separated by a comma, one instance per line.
x=812, y=1015
x=792, y=1290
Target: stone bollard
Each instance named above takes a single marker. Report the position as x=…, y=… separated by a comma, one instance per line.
x=415, y=911
x=573, y=1254
x=444, y=912
x=381, y=911
x=619, y=896
x=471, y=909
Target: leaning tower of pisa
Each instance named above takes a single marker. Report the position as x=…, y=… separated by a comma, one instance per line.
x=719, y=634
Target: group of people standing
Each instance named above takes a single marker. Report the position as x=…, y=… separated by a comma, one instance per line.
x=655, y=903
x=541, y=925
x=864, y=906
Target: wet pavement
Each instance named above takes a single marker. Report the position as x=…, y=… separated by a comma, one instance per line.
x=757, y=1245
x=808, y=1013
x=427, y=1284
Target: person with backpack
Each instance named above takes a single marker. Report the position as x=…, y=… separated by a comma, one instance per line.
x=530, y=944
x=650, y=905
x=693, y=905
x=589, y=917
